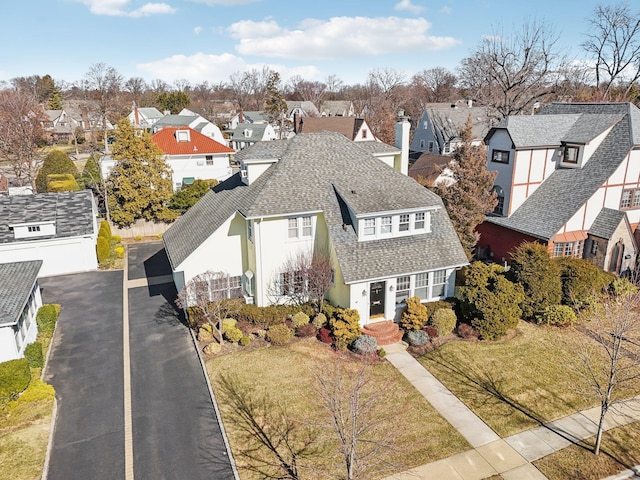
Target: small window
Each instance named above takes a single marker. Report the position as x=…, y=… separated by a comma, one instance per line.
x=594, y=247
x=419, y=221
x=293, y=228
x=402, y=289
x=499, y=208
x=385, y=225
x=250, y=230
x=570, y=155
x=364, y=133
x=307, y=229
x=439, y=283
x=422, y=286
x=430, y=146
x=369, y=226
x=421, y=144
x=403, y=226
x=500, y=156
x=209, y=160
x=636, y=198
x=447, y=147
x=34, y=228
x=625, y=200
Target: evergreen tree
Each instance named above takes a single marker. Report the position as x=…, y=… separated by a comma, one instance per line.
x=56, y=162
x=275, y=106
x=55, y=101
x=470, y=197
x=174, y=102
x=91, y=173
x=139, y=185
x=188, y=196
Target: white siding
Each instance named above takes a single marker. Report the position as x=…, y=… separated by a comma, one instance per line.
x=196, y=166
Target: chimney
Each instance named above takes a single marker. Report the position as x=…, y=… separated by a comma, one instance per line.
x=470, y=103
x=136, y=116
x=240, y=116
x=402, y=142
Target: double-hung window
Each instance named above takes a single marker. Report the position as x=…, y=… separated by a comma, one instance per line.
x=419, y=223
x=403, y=226
x=439, y=283
x=307, y=229
x=209, y=159
x=385, y=225
x=293, y=228
x=300, y=227
x=369, y=226
x=403, y=285
x=421, y=288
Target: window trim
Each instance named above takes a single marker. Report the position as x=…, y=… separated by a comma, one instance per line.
x=423, y=282
x=570, y=148
x=496, y=156
x=303, y=228
x=632, y=201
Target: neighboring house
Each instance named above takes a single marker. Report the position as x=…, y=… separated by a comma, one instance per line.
x=60, y=126
x=19, y=303
x=441, y=125
x=337, y=108
x=246, y=134
x=431, y=169
x=144, y=118
x=257, y=116
x=388, y=238
x=87, y=115
x=192, y=155
x=195, y=122
x=58, y=228
x=569, y=178
x=353, y=128
x=299, y=109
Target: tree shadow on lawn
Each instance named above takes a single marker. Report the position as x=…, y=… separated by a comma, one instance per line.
x=495, y=391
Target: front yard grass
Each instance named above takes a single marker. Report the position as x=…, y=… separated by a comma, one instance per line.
x=423, y=436
x=620, y=450
x=516, y=384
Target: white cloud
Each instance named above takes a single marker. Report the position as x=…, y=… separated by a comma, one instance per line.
x=408, y=6
x=446, y=10
x=214, y=68
x=197, y=30
x=118, y=8
x=339, y=37
x=225, y=2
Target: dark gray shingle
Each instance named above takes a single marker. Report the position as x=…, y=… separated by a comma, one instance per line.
x=16, y=281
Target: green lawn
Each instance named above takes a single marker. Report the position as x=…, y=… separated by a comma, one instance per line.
x=515, y=384
x=620, y=450
x=420, y=434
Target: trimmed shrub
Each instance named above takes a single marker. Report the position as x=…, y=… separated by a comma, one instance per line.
x=47, y=317
x=345, y=327
x=539, y=276
x=33, y=354
x=416, y=338
x=306, y=330
x=432, y=332
x=62, y=183
x=466, y=331
x=116, y=238
x=582, y=282
x=329, y=310
x=105, y=230
x=205, y=334
x=233, y=334
x=382, y=353
x=245, y=341
x=56, y=162
x=300, y=319
x=15, y=376
x=265, y=317
x=279, y=334
x=415, y=315
x=319, y=321
x=444, y=321
x=437, y=305
x=489, y=301
x=324, y=335
x=103, y=249
x=119, y=251
x=212, y=348
x=228, y=323
x=36, y=391
x=621, y=287
x=558, y=316
x=365, y=345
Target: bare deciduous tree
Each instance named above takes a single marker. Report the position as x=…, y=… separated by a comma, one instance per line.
x=106, y=83
x=214, y=297
x=614, y=43
x=274, y=444
x=136, y=86
x=511, y=73
x=608, y=358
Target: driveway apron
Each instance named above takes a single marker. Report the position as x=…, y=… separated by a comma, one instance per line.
x=85, y=367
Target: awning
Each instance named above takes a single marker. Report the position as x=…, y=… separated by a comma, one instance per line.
x=570, y=237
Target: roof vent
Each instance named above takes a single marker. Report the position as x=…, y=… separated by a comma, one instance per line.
x=353, y=192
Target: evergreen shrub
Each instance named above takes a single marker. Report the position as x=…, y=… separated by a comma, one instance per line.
x=365, y=345
x=444, y=321
x=33, y=354
x=103, y=249
x=47, y=317
x=345, y=327
x=415, y=314
x=416, y=338
x=15, y=376
x=306, y=330
x=557, y=315
x=279, y=334
x=300, y=319
x=319, y=321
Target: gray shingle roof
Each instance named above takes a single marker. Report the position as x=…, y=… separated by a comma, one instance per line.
x=72, y=213
x=175, y=121
x=451, y=121
x=375, y=148
x=606, y=223
x=16, y=282
x=560, y=196
x=257, y=132
x=312, y=172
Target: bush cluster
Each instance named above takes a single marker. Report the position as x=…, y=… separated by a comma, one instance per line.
x=15, y=376
x=265, y=317
x=557, y=315
x=345, y=327
x=432, y=307
x=444, y=321
x=33, y=354
x=416, y=338
x=47, y=317
x=583, y=283
x=300, y=319
x=415, y=315
x=279, y=334
x=365, y=345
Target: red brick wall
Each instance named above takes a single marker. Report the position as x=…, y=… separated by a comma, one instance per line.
x=500, y=241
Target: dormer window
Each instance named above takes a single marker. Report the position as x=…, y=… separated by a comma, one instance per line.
x=419, y=221
x=183, y=136
x=403, y=226
x=247, y=132
x=395, y=225
x=33, y=228
x=570, y=155
x=369, y=226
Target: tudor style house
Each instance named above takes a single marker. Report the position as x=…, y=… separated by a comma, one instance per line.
x=568, y=177
x=19, y=303
x=60, y=229
x=388, y=238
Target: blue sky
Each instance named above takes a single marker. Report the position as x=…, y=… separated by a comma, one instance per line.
x=208, y=40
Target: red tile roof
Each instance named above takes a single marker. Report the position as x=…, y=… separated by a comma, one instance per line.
x=198, y=143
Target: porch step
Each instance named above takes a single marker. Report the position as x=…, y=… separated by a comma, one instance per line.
x=385, y=333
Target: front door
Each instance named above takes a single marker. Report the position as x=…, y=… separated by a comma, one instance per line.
x=376, y=297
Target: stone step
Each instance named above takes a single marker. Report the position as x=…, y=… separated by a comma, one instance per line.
x=385, y=333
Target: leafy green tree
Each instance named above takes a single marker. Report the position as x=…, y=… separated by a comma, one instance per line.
x=56, y=162
x=172, y=101
x=470, y=197
x=186, y=198
x=539, y=276
x=139, y=185
x=489, y=301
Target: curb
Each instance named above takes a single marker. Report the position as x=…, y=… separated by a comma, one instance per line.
x=234, y=468
x=633, y=472
x=47, y=455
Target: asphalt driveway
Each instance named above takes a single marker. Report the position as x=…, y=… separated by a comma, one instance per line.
x=86, y=369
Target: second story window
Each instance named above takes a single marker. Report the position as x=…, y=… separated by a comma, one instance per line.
x=570, y=155
x=403, y=226
x=370, y=226
x=500, y=156
x=419, y=221
x=299, y=227
x=385, y=225
x=293, y=228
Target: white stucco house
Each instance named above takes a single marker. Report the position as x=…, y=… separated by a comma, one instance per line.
x=60, y=229
x=388, y=238
x=569, y=178
x=19, y=303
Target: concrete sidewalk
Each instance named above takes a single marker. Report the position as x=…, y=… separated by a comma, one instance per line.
x=510, y=457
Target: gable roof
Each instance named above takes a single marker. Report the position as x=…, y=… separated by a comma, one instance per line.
x=334, y=108
x=150, y=112
x=175, y=121
x=16, y=281
x=72, y=213
x=307, y=107
x=606, y=223
x=323, y=172
x=566, y=190
x=257, y=132
x=429, y=166
x=198, y=143
x=347, y=126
